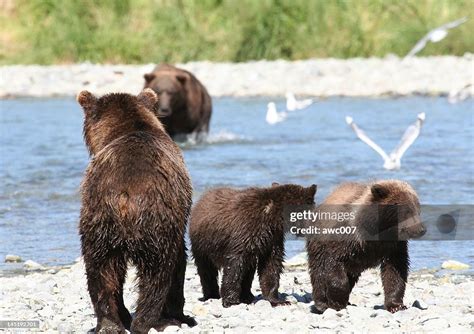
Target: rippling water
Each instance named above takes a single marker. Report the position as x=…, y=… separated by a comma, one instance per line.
x=43, y=159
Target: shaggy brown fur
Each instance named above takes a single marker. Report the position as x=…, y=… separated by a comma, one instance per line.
x=242, y=231
x=185, y=106
x=335, y=263
x=136, y=198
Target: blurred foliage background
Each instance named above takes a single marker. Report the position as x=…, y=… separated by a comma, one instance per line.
x=142, y=31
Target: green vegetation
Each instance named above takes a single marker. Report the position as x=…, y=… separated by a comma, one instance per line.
x=141, y=31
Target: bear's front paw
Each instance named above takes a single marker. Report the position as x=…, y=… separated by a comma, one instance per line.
x=396, y=308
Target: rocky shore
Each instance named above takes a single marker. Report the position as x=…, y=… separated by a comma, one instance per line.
x=59, y=300
x=358, y=77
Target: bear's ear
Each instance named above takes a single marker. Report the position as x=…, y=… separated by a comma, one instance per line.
x=379, y=191
x=182, y=78
x=86, y=100
x=149, y=77
x=313, y=189
x=275, y=184
x=148, y=98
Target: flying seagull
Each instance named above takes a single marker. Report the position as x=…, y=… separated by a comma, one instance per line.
x=435, y=36
x=293, y=104
x=273, y=116
x=391, y=161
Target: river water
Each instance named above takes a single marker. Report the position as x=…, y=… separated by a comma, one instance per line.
x=44, y=157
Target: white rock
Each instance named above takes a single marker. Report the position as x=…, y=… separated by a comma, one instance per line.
x=171, y=329
x=12, y=258
x=32, y=265
x=420, y=304
x=263, y=304
x=199, y=310
x=454, y=265
x=298, y=260
x=330, y=314
x=435, y=324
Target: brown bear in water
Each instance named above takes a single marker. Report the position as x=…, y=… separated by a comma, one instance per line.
x=136, y=199
x=384, y=215
x=242, y=231
x=185, y=106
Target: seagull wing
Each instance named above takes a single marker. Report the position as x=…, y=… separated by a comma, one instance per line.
x=362, y=136
x=419, y=46
x=453, y=24
x=422, y=42
x=410, y=135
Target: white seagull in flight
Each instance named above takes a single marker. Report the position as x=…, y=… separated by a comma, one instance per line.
x=273, y=116
x=435, y=36
x=391, y=161
x=293, y=104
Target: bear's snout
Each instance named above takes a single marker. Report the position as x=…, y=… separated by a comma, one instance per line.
x=412, y=228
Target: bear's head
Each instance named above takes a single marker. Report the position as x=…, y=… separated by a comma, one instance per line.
x=398, y=209
x=293, y=194
x=170, y=85
x=114, y=115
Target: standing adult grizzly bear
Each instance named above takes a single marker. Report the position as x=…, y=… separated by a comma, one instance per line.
x=185, y=106
x=136, y=199
x=383, y=215
x=243, y=231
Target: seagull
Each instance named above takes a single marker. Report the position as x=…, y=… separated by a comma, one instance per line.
x=435, y=36
x=293, y=104
x=273, y=116
x=392, y=161
x=458, y=95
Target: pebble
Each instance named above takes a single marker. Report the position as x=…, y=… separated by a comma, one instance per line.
x=61, y=302
x=199, y=310
x=454, y=265
x=12, y=258
x=435, y=324
x=32, y=265
x=420, y=304
x=171, y=329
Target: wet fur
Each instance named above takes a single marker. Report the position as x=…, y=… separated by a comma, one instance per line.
x=136, y=198
x=335, y=265
x=242, y=231
x=185, y=96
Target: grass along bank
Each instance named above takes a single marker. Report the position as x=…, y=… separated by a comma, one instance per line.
x=143, y=31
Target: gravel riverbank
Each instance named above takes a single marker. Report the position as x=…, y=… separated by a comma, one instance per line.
x=371, y=77
x=58, y=298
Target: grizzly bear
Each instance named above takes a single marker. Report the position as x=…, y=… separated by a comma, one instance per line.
x=378, y=219
x=136, y=199
x=185, y=106
x=242, y=231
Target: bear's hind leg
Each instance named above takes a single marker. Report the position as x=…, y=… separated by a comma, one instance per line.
x=232, y=281
x=175, y=300
x=338, y=287
x=154, y=280
x=105, y=277
x=269, y=270
x=208, y=274
x=246, y=295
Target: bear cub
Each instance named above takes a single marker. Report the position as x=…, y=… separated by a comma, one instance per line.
x=136, y=200
x=242, y=231
x=384, y=215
